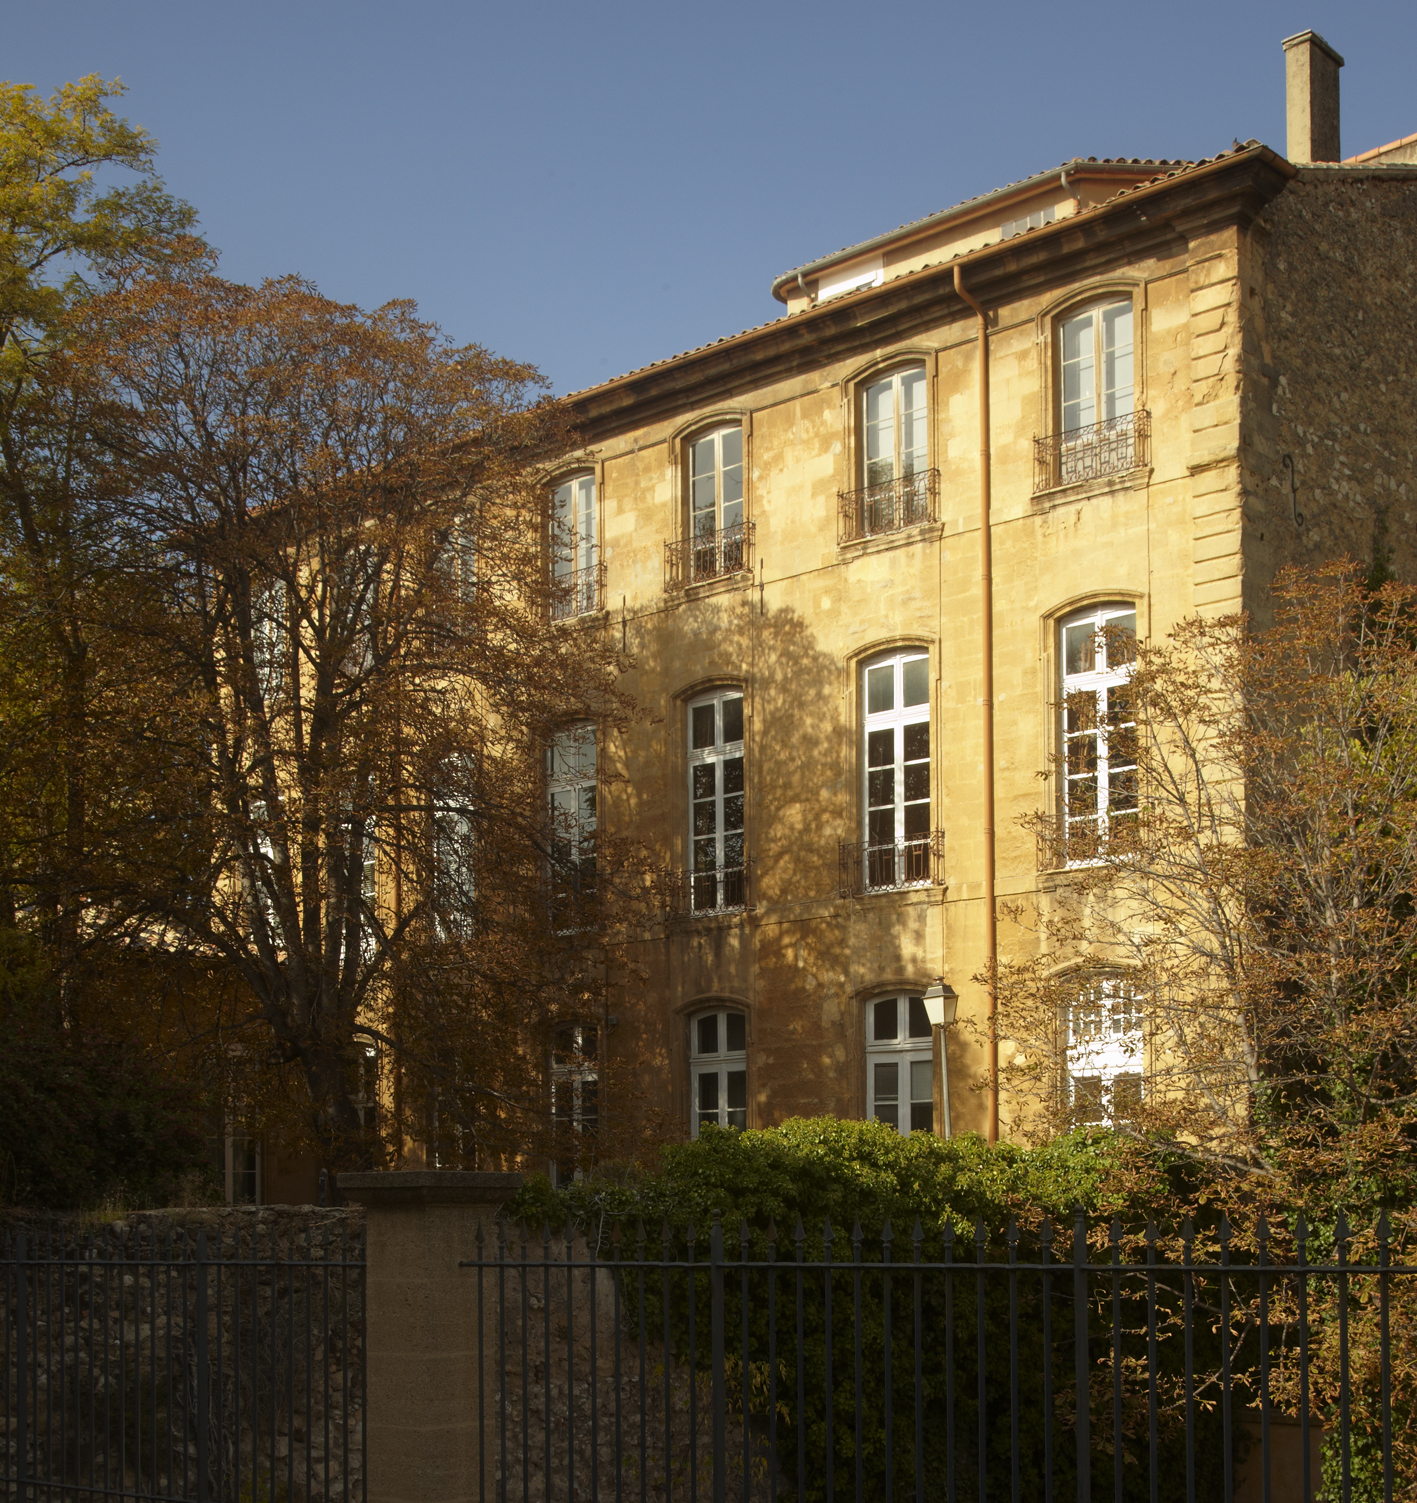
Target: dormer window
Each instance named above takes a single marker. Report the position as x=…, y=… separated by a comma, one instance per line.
x=1034, y=221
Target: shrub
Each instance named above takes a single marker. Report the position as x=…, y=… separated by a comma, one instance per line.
x=86, y=1119
x=864, y=1173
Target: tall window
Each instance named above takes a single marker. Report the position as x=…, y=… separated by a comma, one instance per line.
x=900, y=1065
x=716, y=503
x=897, y=785
x=454, y=872
x=1096, y=393
x=241, y=1168
x=268, y=638
x=364, y=1094
x=718, y=1066
x=571, y=788
x=1098, y=647
x=893, y=426
x=460, y=560
x=575, y=576
x=1105, y=1051
x=575, y=1097
x=717, y=878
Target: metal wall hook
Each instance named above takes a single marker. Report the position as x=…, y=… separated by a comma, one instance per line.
x=1287, y=460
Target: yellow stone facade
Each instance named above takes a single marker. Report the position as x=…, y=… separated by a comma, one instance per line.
x=1274, y=323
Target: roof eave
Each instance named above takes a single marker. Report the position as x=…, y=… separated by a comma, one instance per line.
x=903, y=234
x=662, y=384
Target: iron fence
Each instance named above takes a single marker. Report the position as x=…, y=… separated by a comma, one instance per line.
x=147, y=1364
x=1108, y=448
x=889, y=506
x=709, y=555
x=1050, y=1363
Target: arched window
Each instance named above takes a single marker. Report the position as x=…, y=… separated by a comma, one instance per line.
x=896, y=791
x=575, y=571
x=718, y=1067
x=1106, y=1050
x=897, y=486
x=893, y=427
x=1098, y=429
x=1097, y=648
x=900, y=1067
x=716, y=525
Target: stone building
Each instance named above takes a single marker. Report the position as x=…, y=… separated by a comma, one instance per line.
x=1189, y=374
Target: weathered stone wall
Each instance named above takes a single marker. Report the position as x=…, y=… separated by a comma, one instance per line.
x=1330, y=354
x=113, y=1369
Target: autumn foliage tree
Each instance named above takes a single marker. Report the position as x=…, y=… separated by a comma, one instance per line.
x=66, y=230
x=1259, y=914
x=341, y=526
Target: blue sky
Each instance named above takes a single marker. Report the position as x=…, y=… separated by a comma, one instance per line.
x=593, y=187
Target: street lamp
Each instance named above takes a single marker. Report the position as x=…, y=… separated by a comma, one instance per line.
x=940, y=1004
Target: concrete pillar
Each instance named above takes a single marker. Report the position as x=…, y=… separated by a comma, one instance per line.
x=1311, y=98
x=422, y=1367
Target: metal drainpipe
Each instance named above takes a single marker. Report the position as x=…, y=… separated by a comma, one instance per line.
x=986, y=624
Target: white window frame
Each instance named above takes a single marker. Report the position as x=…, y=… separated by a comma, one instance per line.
x=1097, y=725
x=1098, y=383
x=1106, y=1049
x=727, y=1068
x=904, y=459
x=715, y=521
x=572, y=785
x=575, y=1086
x=904, y=1052
x=898, y=856
x=712, y=478
x=461, y=553
x=718, y=862
x=575, y=547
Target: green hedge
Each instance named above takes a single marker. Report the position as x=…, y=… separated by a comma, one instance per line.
x=857, y=1172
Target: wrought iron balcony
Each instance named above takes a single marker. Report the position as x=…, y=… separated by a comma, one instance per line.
x=709, y=555
x=723, y=889
x=866, y=866
x=1083, y=841
x=1111, y=448
x=579, y=593
x=891, y=506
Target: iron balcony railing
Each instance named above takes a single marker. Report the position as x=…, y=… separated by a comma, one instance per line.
x=709, y=555
x=579, y=593
x=891, y=506
x=1109, y=448
x=721, y=889
x=867, y=866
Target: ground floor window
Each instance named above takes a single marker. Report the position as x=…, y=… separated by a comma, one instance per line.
x=1105, y=1051
x=900, y=1064
x=241, y=1165
x=718, y=1055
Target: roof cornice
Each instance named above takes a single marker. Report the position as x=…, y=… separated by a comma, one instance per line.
x=1230, y=189
x=1080, y=169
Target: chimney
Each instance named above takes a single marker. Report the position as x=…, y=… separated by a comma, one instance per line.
x=1311, y=98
